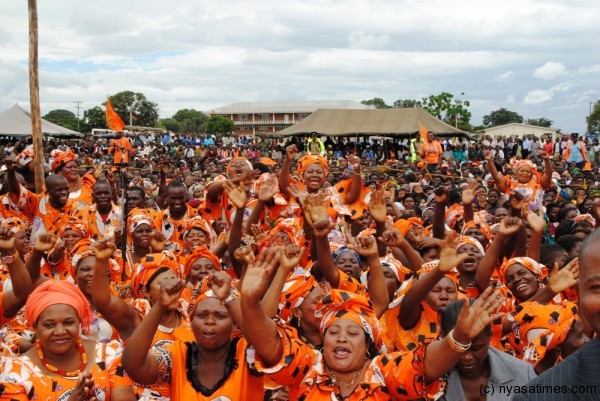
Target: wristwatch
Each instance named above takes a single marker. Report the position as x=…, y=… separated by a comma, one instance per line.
x=8, y=259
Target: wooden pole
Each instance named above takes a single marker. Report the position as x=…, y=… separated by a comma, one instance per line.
x=34, y=97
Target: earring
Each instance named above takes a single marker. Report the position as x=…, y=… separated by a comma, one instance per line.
x=368, y=356
x=299, y=321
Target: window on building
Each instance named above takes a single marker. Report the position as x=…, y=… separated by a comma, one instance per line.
x=242, y=117
x=264, y=117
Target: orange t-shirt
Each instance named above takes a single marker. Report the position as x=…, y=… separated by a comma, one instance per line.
x=238, y=384
x=431, y=152
x=120, y=148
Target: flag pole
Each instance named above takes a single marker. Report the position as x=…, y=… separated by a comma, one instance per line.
x=34, y=97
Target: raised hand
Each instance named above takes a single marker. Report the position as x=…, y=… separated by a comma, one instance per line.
x=258, y=233
x=290, y=152
x=268, y=189
x=473, y=319
x=560, y=280
x=45, y=242
x=290, y=257
x=468, y=195
x=544, y=155
x=104, y=248
x=536, y=222
x=236, y=194
x=392, y=237
x=441, y=195
x=7, y=239
x=220, y=284
x=244, y=255
x=321, y=228
x=487, y=155
x=365, y=246
x=157, y=241
x=354, y=161
x=248, y=177
x=509, y=226
x=448, y=257
x=377, y=206
x=315, y=208
x=516, y=200
x=257, y=277
x=85, y=389
x=170, y=290
x=298, y=193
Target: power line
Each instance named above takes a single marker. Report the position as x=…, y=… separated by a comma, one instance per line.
x=78, y=105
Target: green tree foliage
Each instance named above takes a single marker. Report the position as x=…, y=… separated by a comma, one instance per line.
x=191, y=121
x=93, y=118
x=593, y=120
x=540, y=122
x=64, y=118
x=407, y=103
x=170, y=124
x=445, y=107
x=502, y=116
x=136, y=102
x=378, y=102
x=219, y=125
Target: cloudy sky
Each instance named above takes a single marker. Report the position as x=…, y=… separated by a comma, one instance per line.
x=540, y=58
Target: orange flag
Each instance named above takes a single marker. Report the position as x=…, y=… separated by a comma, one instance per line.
x=113, y=121
x=423, y=132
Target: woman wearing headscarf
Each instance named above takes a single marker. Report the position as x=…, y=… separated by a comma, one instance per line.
x=80, y=188
x=63, y=364
x=200, y=264
x=527, y=181
x=213, y=365
x=348, y=366
x=58, y=264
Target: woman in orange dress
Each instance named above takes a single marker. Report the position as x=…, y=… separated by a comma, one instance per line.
x=63, y=365
x=210, y=367
x=348, y=366
x=80, y=188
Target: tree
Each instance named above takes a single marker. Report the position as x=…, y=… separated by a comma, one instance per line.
x=448, y=109
x=407, y=103
x=169, y=124
x=136, y=103
x=190, y=121
x=219, y=125
x=593, y=120
x=378, y=102
x=93, y=118
x=540, y=122
x=64, y=118
x=501, y=117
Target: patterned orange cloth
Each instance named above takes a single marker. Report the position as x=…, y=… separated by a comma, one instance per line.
x=61, y=158
x=75, y=224
x=171, y=228
x=555, y=320
x=201, y=252
x=16, y=224
x=392, y=376
x=405, y=225
x=464, y=240
x=151, y=265
x=99, y=227
x=198, y=222
x=287, y=226
x=307, y=160
x=526, y=262
x=295, y=290
x=454, y=214
x=250, y=167
x=21, y=377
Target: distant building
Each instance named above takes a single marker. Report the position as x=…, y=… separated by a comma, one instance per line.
x=254, y=117
x=517, y=130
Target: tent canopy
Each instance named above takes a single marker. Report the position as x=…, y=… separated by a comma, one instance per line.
x=383, y=122
x=16, y=121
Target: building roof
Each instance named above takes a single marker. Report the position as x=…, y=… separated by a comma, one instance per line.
x=519, y=129
x=16, y=121
x=393, y=122
x=287, y=107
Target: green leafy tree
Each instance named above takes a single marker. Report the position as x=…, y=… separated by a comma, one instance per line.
x=593, y=120
x=169, y=124
x=93, y=118
x=501, y=117
x=191, y=121
x=219, y=125
x=64, y=118
x=136, y=102
x=378, y=102
x=540, y=122
x=407, y=103
x=448, y=109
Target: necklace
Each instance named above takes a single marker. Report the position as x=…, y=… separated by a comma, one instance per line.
x=59, y=371
x=335, y=380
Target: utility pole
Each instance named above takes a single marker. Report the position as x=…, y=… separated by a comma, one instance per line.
x=34, y=97
x=78, y=106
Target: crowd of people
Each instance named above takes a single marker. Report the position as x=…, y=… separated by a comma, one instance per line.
x=157, y=267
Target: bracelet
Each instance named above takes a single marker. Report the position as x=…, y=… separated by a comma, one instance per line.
x=233, y=295
x=455, y=345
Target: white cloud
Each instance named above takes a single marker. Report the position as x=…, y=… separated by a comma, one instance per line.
x=505, y=75
x=510, y=98
x=589, y=69
x=550, y=70
x=361, y=40
x=538, y=96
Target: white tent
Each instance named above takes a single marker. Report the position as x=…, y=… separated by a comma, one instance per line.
x=16, y=121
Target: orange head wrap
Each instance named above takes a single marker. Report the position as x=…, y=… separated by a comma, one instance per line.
x=517, y=164
x=152, y=265
x=479, y=224
x=405, y=225
x=238, y=158
x=466, y=240
x=557, y=320
x=429, y=266
x=75, y=225
x=295, y=290
x=62, y=158
x=397, y=267
x=201, y=252
x=15, y=224
x=526, y=262
x=81, y=250
x=307, y=160
x=58, y=292
x=199, y=223
x=26, y=156
x=454, y=214
x=286, y=226
x=340, y=304
x=201, y=292
x=136, y=218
